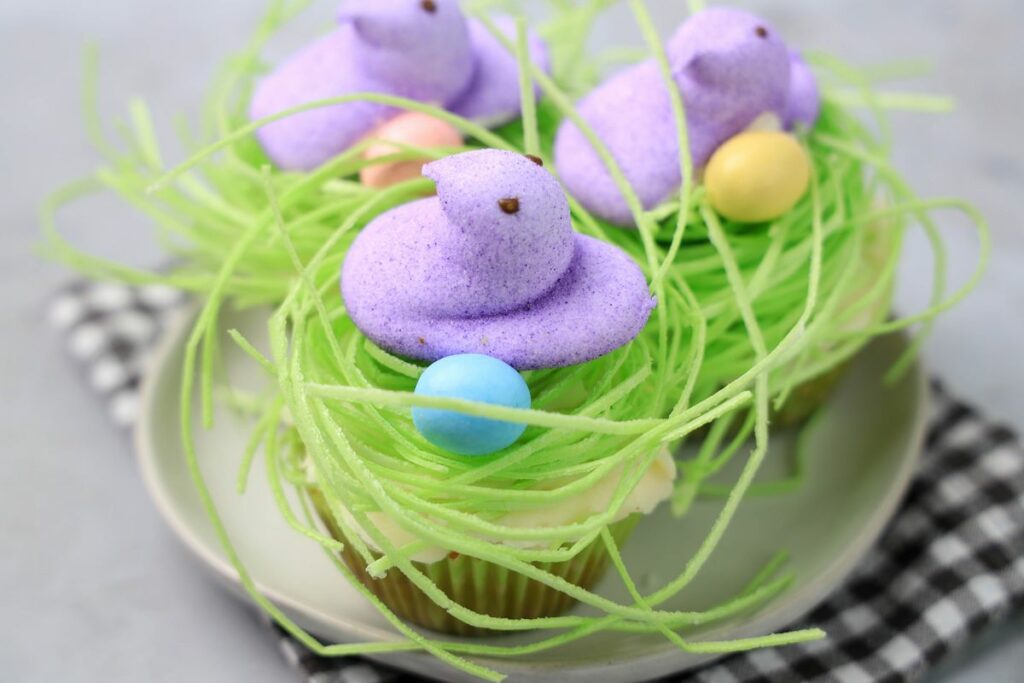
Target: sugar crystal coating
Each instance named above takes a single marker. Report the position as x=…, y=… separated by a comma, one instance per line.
x=492, y=98
x=804, y=104
x=458, y=274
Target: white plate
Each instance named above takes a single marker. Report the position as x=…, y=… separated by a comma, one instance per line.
x=864, y=452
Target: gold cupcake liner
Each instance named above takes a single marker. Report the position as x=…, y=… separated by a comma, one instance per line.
x=478, y=585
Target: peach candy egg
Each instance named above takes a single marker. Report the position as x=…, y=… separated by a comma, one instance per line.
x=412, y=129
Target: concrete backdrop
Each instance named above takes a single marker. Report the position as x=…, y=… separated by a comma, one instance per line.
x=95, y=588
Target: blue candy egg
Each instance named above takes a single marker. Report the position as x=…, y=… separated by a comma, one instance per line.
x=472, y=377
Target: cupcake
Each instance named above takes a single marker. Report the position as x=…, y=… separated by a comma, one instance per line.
x=752, y=112
x=551, y=319
x=484, y=281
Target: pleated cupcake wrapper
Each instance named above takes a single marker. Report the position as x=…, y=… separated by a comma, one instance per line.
x=478, y=585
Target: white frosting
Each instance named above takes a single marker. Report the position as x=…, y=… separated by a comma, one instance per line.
x=654, y=487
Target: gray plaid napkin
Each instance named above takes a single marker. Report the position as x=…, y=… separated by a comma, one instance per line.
x=950, y=564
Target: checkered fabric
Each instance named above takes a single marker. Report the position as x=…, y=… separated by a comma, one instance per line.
x=950, y=563
x=111, y=330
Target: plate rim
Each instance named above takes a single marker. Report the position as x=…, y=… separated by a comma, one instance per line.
x=774, y=615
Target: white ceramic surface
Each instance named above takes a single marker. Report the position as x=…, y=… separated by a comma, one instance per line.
x=863, y=449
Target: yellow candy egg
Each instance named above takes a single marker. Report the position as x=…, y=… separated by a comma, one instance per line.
x=757, y=176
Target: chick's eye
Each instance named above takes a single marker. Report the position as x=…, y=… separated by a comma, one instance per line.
x=428, y=6
x=761, y=32
x=509, y=205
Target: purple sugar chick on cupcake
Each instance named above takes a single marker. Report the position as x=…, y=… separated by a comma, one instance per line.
x=730, y=67
x=423, y=50
x=417, y=50
x=492, y=266
x=492, y=98
x=804, y=103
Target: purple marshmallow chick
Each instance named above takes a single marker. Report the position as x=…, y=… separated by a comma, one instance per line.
x=418, y=50
x=492, y=266
x=492, y=98
x=804, y=104
x=730, y=67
